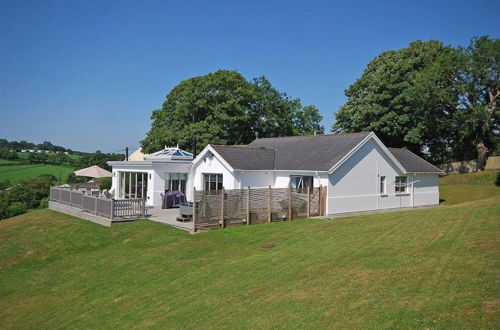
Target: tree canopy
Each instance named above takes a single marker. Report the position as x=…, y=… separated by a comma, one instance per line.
x=436, y=100
x=225, y=108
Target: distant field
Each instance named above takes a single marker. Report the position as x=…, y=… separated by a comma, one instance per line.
x=4, y=161
x=16, y=173
x=25, y=155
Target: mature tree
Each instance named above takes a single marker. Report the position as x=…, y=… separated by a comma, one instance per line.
x=97, y=158
x=224, y=108
x=406, y=97
x=479, y=86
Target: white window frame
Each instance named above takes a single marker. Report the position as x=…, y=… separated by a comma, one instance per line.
x=181, y=178
x=301, y=182
x=219, y=178
x=383, y=185
x=400, y=185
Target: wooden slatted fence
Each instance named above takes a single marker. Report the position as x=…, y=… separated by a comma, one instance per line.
x=255, y=205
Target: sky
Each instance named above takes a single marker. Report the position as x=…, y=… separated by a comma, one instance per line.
x=87, y=74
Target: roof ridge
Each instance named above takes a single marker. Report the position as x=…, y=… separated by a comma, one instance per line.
x=310, y=136
x=242, y=147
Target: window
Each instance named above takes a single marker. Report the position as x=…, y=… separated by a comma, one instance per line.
x=175, y=181
x=300, y=182
x=212, y=182
x=132, y=185
x=400, y=184
x=382, y=185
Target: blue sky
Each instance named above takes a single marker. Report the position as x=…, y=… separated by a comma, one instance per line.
x=87, y=74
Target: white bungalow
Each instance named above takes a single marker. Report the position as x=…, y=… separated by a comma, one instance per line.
x=358, y=171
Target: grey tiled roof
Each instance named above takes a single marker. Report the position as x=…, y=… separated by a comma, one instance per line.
x=412, y=162
x=310, y=153
x=307, y=153
x=247, y=158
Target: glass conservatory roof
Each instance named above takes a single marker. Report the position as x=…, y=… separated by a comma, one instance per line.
x=170, y=153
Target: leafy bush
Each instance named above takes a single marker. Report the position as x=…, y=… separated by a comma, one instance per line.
x=44, y=203
x=105, y=183
x=16, y=209
x=4, y=184
x=28, y=194
x=72, y=178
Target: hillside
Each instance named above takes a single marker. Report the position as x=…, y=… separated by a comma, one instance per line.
x=18, y=172
x=428, y=268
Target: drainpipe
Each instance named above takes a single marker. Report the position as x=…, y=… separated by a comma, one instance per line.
x=377, y=192
x=413, y=190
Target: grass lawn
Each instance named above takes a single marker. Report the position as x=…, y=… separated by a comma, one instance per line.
x=18, y=172
x=461, y=188
x=5, y=161
x=427, y=268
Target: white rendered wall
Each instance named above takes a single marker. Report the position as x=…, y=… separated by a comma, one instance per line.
x=143, y=169
x=282, y=178
x=355, y=185
x=212, y=165
x=156, y=178
x=159, y=178
x=426, y=189
x=257, y=179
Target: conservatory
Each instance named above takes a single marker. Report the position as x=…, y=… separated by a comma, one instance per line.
x=157, y=173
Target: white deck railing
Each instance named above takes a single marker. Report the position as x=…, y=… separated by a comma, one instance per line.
x=104, y=207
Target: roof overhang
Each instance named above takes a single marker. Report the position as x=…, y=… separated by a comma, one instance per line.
x=206, y=153
x=147, y=162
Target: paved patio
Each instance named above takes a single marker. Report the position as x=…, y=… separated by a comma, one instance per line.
x=168, y=217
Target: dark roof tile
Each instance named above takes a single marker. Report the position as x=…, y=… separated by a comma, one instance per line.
x=246, y=158
x=310, y=153
x=413, y=163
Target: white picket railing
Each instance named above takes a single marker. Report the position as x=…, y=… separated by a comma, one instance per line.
x=104, y=207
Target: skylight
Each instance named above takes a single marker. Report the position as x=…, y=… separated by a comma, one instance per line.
x=171, y=153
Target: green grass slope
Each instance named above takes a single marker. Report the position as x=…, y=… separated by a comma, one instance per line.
x=461, y=188
x=15, y=173
x=427, y=268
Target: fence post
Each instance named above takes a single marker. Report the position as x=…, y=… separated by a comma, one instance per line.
x=320, y=205
x=70, y=195
x=308, y=201
x=269, y=215
x=95, y=205
x=112, y=209
x=194, y=209
x=289, y=202
x=248, y=205
x=143, y=204
x=222, y=208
